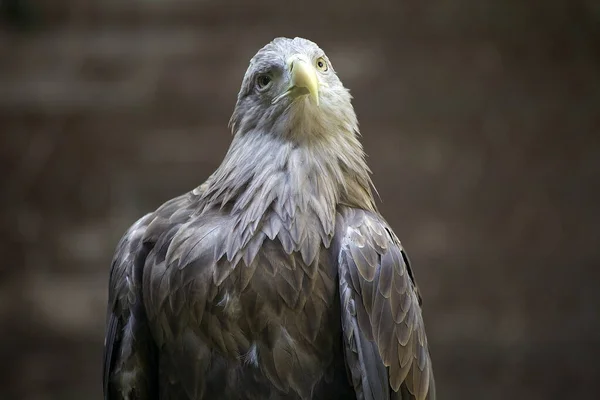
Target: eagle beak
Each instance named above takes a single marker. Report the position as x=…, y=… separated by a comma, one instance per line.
x=303, y=80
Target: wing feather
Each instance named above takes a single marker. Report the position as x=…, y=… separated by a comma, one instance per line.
x=385, y=342
x=129, y=364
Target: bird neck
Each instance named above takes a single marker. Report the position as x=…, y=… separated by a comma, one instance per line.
x=266, y=173
x=271, y=187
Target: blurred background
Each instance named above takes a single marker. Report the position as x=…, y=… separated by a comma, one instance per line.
x=481, y=119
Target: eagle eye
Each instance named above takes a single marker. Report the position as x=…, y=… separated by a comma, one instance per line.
x=263, y=81
x=322, y=64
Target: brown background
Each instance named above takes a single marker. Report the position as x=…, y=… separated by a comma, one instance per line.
x=481, y=119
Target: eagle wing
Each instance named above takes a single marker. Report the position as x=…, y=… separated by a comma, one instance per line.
x=129, y=356
x=386, y=350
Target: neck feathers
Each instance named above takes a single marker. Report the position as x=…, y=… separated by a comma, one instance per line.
x=295, y=174
x=289, y=188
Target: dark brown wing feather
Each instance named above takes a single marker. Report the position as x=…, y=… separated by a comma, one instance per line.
x=385, y=343
x=129, y=367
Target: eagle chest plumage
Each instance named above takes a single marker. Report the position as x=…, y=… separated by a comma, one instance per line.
x=248, y=286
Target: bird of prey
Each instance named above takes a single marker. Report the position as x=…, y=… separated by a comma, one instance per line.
x=277, y=278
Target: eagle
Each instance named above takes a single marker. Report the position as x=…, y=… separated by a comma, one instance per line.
x=277, y=278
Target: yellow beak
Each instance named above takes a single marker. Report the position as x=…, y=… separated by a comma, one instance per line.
x=303, y=77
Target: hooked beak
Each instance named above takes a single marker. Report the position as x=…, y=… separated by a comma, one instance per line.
x=303, y=80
